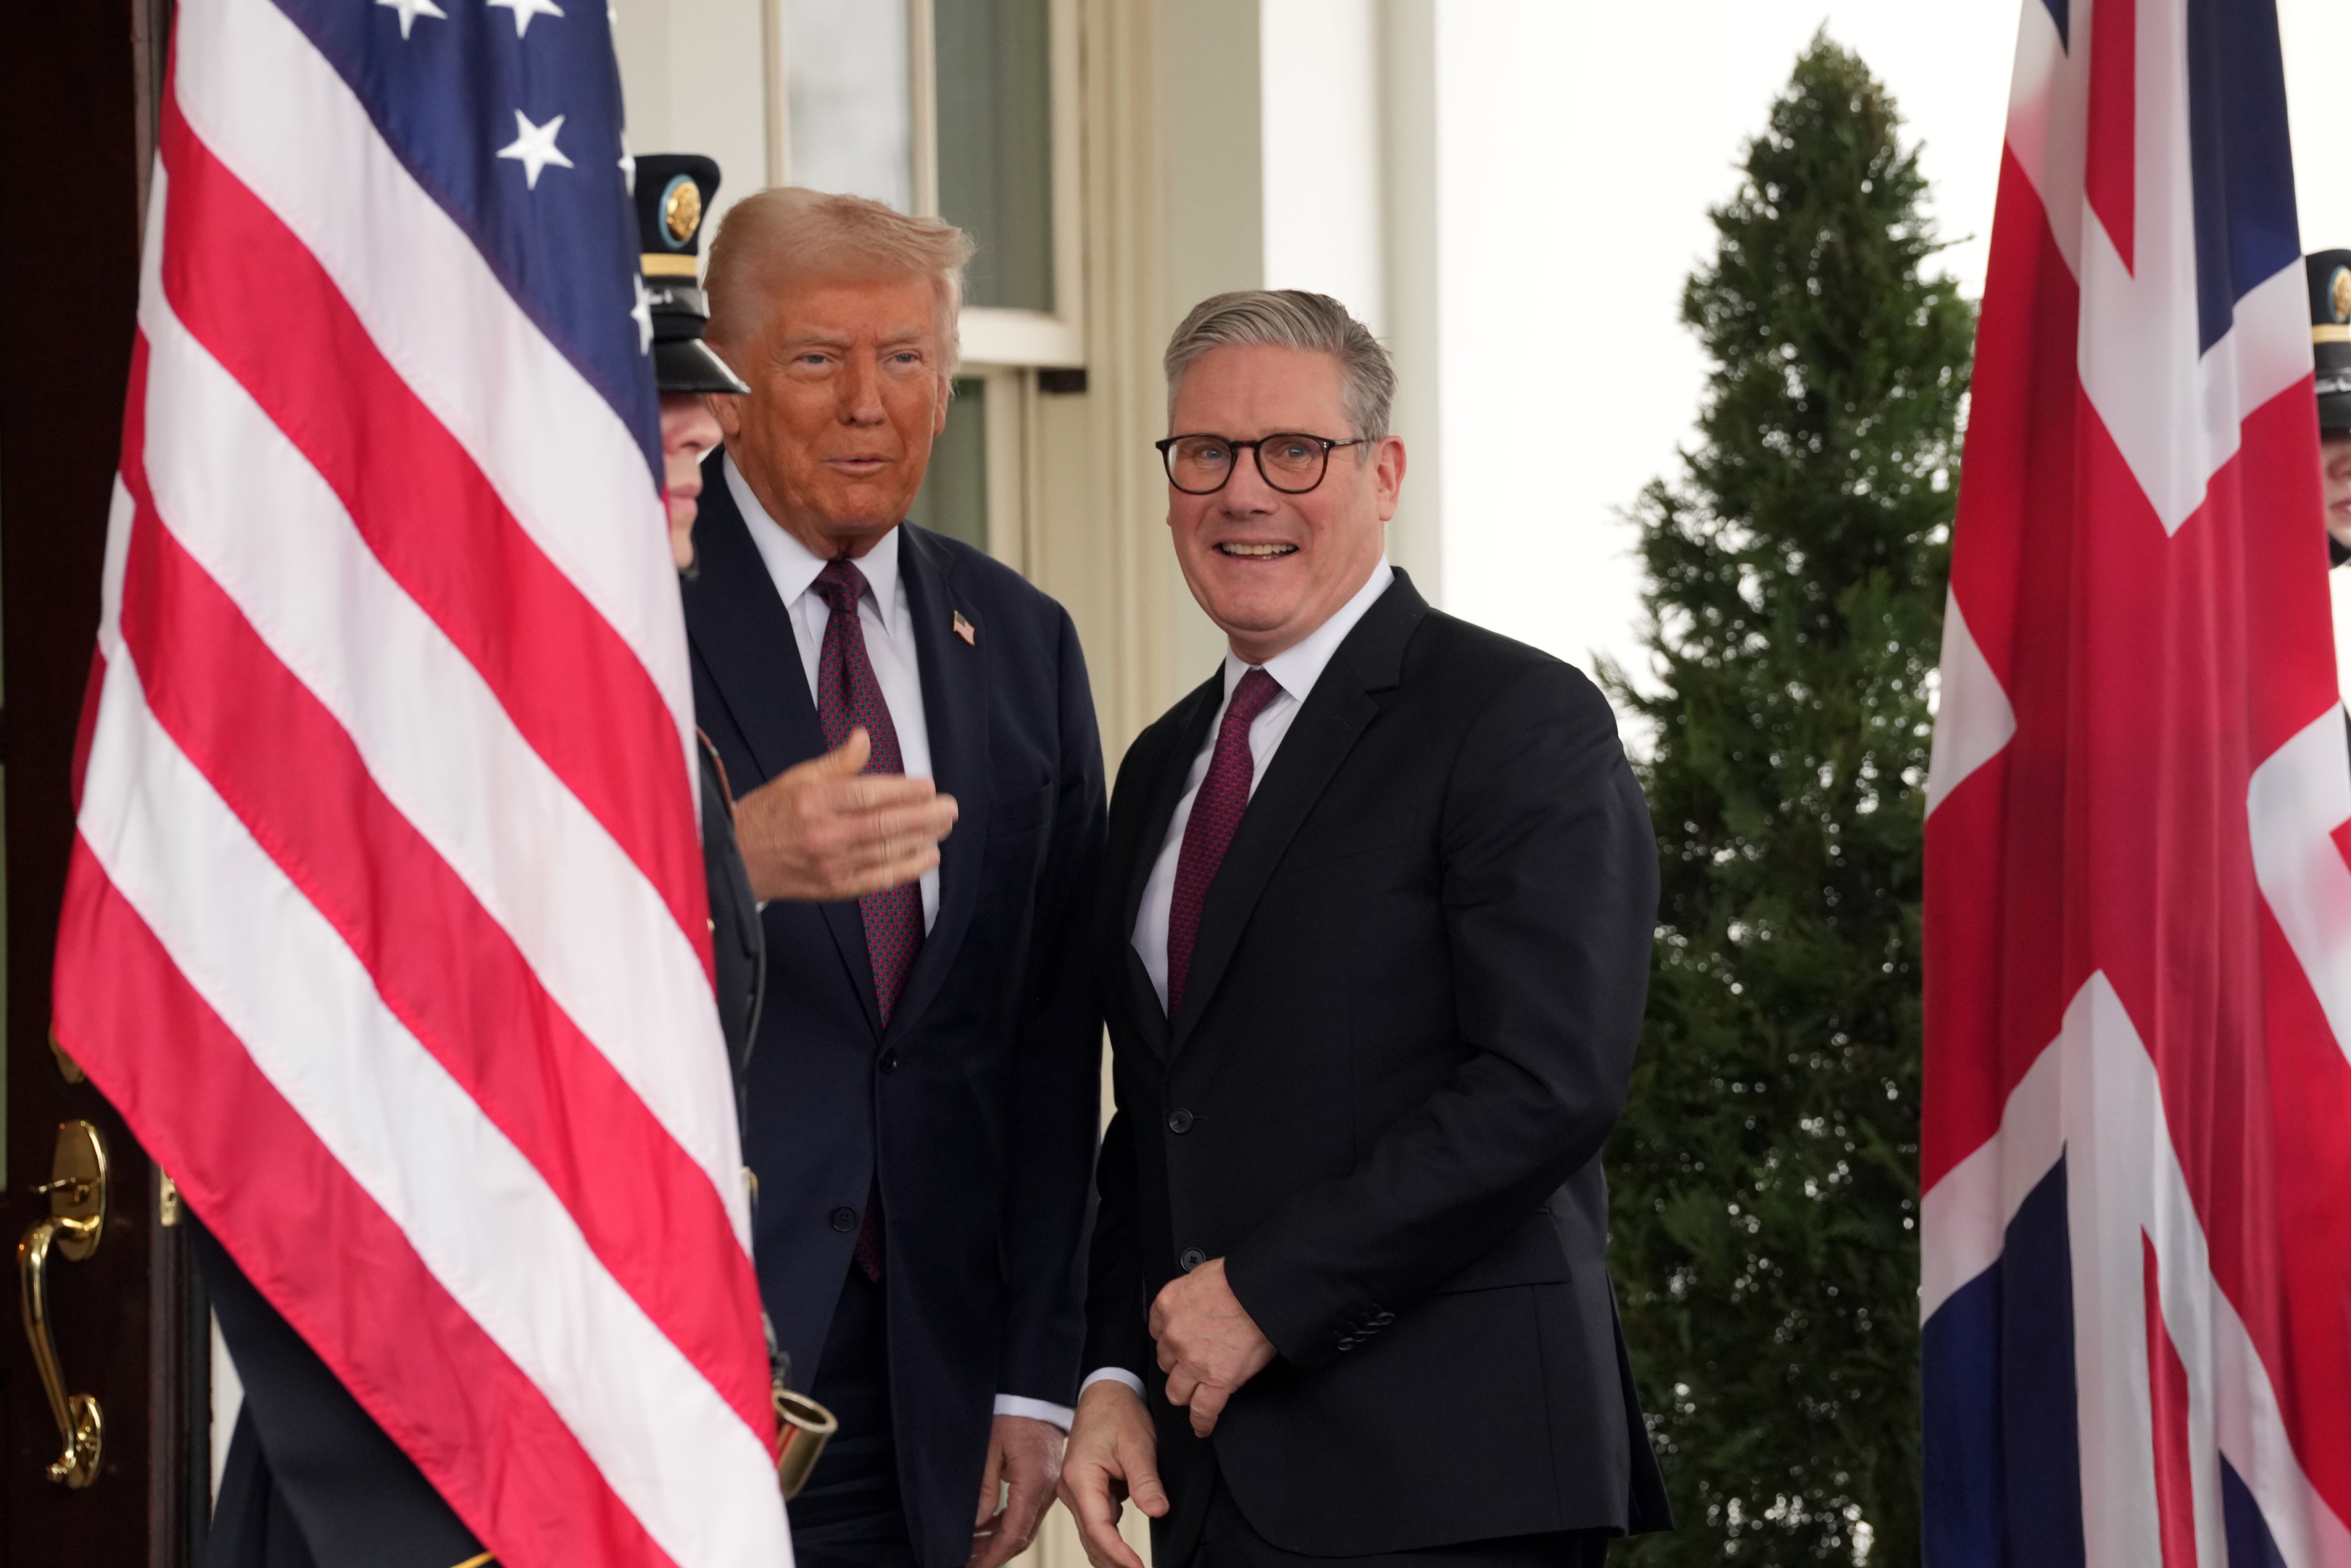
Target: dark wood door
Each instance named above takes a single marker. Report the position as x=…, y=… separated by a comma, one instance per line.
x=78, y=82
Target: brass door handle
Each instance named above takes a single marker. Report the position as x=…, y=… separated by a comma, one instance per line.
x=74, y=1226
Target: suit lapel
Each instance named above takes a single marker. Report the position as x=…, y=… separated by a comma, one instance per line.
x=1328, y=725
x=740, y=629
x=1163, y=775
x=1187, y=734
x=953, y=674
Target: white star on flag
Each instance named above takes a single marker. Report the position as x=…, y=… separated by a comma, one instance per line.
x=412, y=9
x=523, y=10
x=534, y=147
x=628, y=159
x=642, y=315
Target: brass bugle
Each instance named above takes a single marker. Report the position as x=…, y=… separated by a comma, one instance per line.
x=803, y=1427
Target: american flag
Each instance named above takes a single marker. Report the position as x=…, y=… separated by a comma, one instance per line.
x=2137, y=1152
x=386, y=928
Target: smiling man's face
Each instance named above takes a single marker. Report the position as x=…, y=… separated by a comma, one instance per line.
x=1269, y=568
x=849, y=386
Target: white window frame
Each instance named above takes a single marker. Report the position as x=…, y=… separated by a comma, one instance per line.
x=992, y=336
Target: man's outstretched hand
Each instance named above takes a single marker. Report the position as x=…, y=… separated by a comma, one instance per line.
x=1113, y=1455
x=823, y=831
x=1209, y=1344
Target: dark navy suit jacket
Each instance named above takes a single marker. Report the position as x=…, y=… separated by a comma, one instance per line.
x=978, y=1107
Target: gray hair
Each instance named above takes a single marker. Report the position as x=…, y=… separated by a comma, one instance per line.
x=1291, y=319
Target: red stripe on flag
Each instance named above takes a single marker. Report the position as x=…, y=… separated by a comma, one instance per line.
x=321, y=1249
x=2174, y=1486
x=2266, y=495
x=2287, y=1269
x=441, y=964
x=1995, y=979
x=251, y=294
x=2110, y=173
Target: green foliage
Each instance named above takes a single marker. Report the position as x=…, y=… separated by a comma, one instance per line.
x=1766, y=1172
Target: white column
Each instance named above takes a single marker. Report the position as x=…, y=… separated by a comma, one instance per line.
x=1211, y=121
x=1409, y=56
x=1348, y=90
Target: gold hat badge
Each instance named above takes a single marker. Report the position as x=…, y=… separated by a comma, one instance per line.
x=681, y=210
x=2338, y=303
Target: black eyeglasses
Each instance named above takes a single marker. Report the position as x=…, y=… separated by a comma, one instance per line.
x=1290, y=463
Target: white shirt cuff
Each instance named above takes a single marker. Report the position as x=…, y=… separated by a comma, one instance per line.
x=1060, y=1416
x=1112, y=1374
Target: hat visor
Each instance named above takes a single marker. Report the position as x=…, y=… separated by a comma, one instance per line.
x=2334, y=414
x=688, y=365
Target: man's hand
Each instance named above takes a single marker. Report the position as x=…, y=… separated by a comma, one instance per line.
x=1209, y=1344
x=1024, y=1454
x=822, y=831
x=1113, y=1455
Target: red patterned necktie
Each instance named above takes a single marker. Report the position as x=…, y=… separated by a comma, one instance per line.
x=848, y=697
x=1216, y=814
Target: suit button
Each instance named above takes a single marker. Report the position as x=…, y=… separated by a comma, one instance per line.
x=844, y=1220
x=889, y=1062
x=1383, y=1319
x=1192, y=1259
x=1348, y=1343
x=1179, y=1120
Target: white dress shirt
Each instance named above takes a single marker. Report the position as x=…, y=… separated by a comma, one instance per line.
x=888, y=622
x=883, y=614
x=1294, y=670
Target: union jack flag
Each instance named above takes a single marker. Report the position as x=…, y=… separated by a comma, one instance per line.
x=386, y=924
x=2136, y=1290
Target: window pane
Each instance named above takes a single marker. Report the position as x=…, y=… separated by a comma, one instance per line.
x=850, y=92
x=995, y=144
x=954, y=501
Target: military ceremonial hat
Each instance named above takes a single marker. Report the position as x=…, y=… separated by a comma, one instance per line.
x=2330, y=336
x=673, y=192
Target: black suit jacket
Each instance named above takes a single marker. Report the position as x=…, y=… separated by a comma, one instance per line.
x=978, y=1105
x=1409, y=1029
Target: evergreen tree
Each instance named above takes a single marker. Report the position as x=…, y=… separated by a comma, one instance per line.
x=1766, y=1172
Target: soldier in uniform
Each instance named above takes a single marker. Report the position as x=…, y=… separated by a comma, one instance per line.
x=2330, y=334
x=311, y=1479
x=673, y=193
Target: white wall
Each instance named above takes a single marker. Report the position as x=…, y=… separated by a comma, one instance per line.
x=694, y=76
x=1323, y=182
x=2316, y=38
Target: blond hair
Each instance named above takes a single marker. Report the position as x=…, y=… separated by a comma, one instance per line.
x=787, y=232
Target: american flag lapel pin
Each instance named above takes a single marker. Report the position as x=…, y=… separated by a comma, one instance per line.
x=965, y=629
